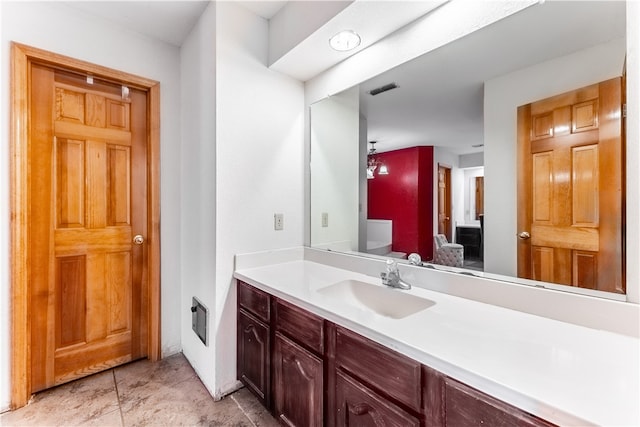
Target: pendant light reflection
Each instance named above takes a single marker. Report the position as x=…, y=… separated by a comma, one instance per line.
x=373, y=163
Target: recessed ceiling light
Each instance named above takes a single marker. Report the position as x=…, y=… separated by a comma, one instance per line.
x=345, y=40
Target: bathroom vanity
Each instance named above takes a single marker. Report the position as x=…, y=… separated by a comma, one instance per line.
x=322, y=345
x=311, y=372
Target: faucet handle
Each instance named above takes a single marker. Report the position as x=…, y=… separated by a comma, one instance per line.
x=385, y=278
x=392, y=266
x=414, y=259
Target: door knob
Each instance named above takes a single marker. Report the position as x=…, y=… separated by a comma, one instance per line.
x=138, y=239
x=523, y=235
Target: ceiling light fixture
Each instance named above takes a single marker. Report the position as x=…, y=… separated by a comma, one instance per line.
x=345, y=40
x=373, y=163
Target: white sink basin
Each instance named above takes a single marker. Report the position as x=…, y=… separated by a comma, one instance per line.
x=388, y=302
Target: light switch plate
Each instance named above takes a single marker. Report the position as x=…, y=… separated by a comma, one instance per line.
x=278, y=221
x=325, y=219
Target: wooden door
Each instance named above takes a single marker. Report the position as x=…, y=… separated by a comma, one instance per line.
x=570, y=189
x=88, y=198
x=444, y=201
x=479, y=197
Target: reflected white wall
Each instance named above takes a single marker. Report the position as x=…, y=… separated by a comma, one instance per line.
x=470, y=176
x=335, y=147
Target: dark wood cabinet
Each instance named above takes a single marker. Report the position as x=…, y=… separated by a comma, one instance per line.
x=466, y=406
x=383, y=369
x=301, y=326
x=298, y=384
x=254, y=356
x=357, y=405
x=311, y=372
x=254, y=301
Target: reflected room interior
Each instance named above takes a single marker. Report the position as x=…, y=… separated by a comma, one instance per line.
x=429, y=147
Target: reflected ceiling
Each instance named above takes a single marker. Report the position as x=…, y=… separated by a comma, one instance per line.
x=440, y=96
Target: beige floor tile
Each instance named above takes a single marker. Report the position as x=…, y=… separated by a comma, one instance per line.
x=253, y=409
x=136, y=374
x=165, y=393
x=183, y=403
x=75, y=403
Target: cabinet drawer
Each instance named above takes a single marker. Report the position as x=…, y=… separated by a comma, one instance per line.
x=389, y=372
x=305, y=328
x=254, y=301
x=359, y=406
x=467, y=406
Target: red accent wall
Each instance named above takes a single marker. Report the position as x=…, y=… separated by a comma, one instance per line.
x=405, y=196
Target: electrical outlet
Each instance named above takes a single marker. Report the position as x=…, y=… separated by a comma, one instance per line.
x=325, y=219
x=278, y=221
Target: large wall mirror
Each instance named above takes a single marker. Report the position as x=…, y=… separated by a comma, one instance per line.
x=393, y=169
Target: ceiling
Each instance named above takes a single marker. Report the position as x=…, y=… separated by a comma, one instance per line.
x=440, y=96
x=169, y=21
x=372, y=20
x=265, y=8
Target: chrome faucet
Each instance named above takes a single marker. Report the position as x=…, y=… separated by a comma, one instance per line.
x=391, y=277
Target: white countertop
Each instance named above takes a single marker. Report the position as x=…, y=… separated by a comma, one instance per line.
x=564, y=373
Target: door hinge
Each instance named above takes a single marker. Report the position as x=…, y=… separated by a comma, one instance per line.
x=624, y=110
x=125, y=93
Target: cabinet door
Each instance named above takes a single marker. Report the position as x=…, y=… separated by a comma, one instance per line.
x=357, y=406
x=253, y=356
x=298, y=384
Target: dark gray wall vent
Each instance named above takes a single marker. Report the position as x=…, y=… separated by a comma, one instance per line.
x=199, y=319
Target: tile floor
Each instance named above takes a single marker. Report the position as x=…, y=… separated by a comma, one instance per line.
x=166, y=393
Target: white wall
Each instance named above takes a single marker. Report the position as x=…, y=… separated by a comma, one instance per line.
x=471, y=160
x=198, y=190
x=335, y=129
x=62, y=29
x=470, y=176
x=259, y=164
x=633, y=151
x=503, y=95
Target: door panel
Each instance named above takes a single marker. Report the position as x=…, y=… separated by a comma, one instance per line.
x=570, y=192
x=89, y=282
x=444, y=201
